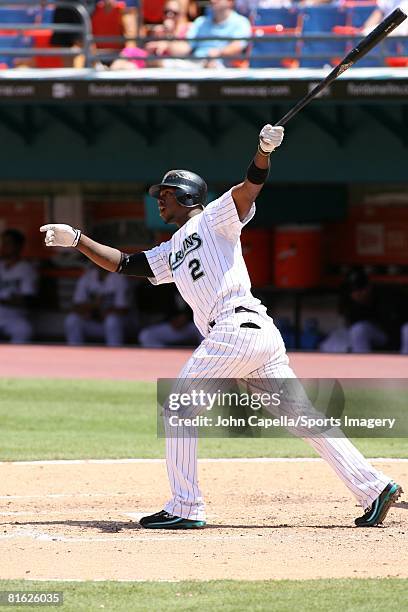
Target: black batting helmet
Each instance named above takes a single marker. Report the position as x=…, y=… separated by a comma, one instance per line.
x=191, y=189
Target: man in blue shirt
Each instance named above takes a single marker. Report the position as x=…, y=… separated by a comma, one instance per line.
x=222, y=21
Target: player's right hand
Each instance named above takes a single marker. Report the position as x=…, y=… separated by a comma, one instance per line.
x=60, y=234
x=270, y=137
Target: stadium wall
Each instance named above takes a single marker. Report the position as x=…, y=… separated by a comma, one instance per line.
x=88, y=143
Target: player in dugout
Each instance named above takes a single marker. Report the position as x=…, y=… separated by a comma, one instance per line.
x=204, y=260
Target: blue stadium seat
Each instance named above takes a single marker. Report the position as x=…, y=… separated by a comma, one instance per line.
x=17, y=15
x=403, y=47
x=356, y=17
x=288, y=18
x=47, y=15
x=322, y=20
x=261, y=49
x=17, y=41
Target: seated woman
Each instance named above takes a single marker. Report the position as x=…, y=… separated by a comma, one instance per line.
x=175, y=25
x=170, y=34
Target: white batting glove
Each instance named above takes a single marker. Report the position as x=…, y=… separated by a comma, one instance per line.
x=270, y=137
x=60, y=234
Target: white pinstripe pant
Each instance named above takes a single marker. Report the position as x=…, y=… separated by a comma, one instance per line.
x=231, y=351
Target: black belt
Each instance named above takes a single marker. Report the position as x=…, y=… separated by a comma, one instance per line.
x=237, y=309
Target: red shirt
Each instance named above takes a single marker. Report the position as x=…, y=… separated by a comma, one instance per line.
x=153, y=11
x=108, y=23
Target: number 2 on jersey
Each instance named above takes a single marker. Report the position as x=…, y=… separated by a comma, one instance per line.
x=195, y=269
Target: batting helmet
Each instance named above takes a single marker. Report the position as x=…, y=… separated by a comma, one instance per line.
x=191, y=189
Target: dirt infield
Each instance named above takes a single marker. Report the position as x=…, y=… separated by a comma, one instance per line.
x=280, y=519
x=142, y=364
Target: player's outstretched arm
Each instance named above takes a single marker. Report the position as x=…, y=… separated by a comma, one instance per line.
x=108, y=258
x=62, y=235
x=244, y=194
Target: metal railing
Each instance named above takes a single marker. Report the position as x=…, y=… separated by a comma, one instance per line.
x=379, y=53
x=84, y=29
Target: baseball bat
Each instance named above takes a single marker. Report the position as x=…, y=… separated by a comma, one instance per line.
x=389, y=24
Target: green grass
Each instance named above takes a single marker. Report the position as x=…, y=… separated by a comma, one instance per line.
x=229, y=596
x=72, y=419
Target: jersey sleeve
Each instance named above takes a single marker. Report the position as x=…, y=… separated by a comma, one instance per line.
x=222, y=216
x=158, y=259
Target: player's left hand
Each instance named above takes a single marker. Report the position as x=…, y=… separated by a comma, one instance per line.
x=270, y=137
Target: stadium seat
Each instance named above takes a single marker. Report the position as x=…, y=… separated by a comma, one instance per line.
x=7, y=41
x=357, y=15
x=397, y=62
x=12, y=41
x=288, y=18
x=396, y=53
x=275, y=22
x=286, y=51
x=47, y=15
x=389, y=46
x=41, y=39
x=17, y=15
x=322, y=20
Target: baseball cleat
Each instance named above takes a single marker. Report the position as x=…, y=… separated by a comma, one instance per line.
x=379, y=508
x=164, y=520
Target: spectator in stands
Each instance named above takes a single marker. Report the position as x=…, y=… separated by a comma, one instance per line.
x=131, y=58
x=190, y=7
x=360, y=309
x=179, y=330
x=70, y=40
x=153, y=10
x=101, y=302
x=175, y=25
x=107, y=20
x=384, y=8
x=18, y=286
x=222, y=21
x=113, y=18
x=131, y=23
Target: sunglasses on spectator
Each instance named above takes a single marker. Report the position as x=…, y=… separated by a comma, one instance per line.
x=170, y=13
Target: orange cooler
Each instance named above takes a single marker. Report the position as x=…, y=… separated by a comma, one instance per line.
x=297, y=256
x=256, y=249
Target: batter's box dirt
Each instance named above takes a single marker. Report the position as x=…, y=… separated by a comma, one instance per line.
x=266, y=520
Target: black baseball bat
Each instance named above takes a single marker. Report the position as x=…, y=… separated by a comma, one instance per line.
x=389, y=24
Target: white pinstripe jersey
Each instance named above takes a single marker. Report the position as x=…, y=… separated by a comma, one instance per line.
x=204, y=259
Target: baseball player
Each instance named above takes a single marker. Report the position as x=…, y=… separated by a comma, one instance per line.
x=204, y=259
x=18, y=287
x=100, y=302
